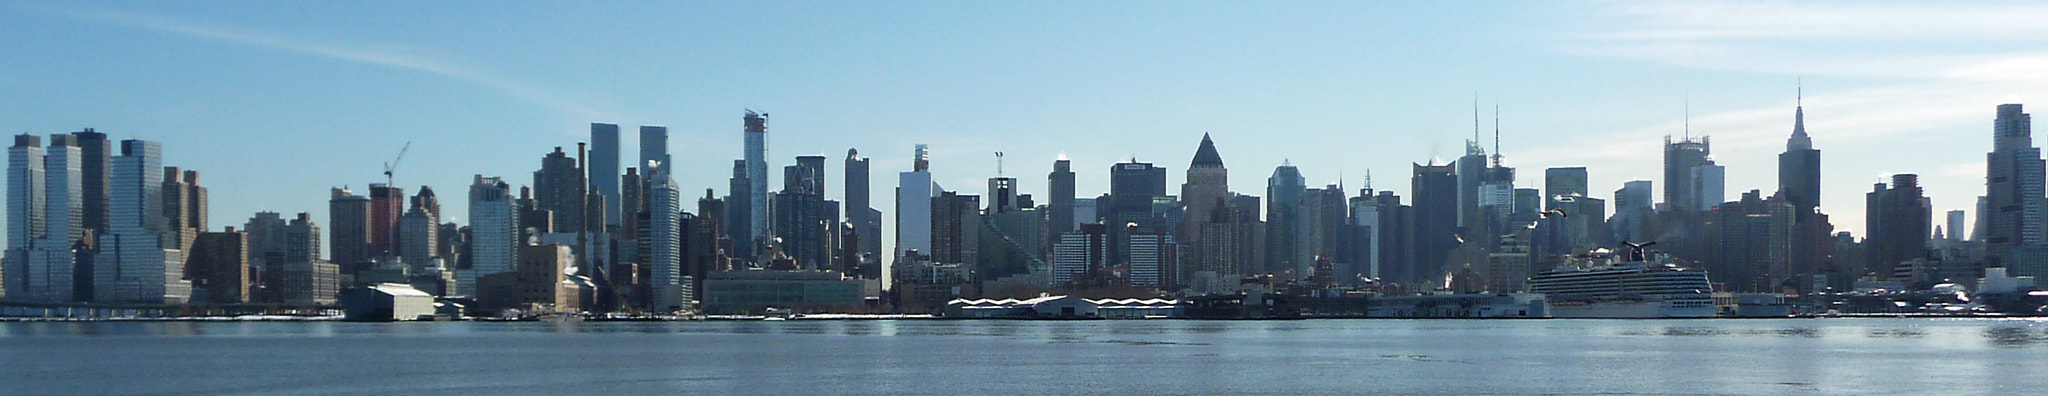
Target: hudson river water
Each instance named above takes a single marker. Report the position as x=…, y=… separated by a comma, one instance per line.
x=1790, y=356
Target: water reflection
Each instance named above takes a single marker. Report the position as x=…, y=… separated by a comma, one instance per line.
x=2014, y=337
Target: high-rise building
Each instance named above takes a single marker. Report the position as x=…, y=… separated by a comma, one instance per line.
x=419, y=231
x=1207, y=232
x=956, y=229
x=184, y=214
x=1153, y=253
x=914, y=193
x=654, y=157
x=1632, y=208
x=1471, y=173
x=25, y=211
x=1563, y=182
x=1079, y=254
x=348, y=230
x=861, y=214
x=387, y=203
x=1709, y=180
x=1955, y=225
x=1059, y=207
x=219, y=266
x=305, y=279
x=1284, y=192
x=559, y=188
x=133, y=264
x=2017, y=210
x=266, y=248
x=603, y=171
x=739, y=211
x=807, y=222
x=757, y=175
x=1752, y=244
x=494, y=230
x=95, y=157
x=1896, y=220
x=1799, y=169
x=1680, y=160
x=1436, y=217
x=52, y=270
x=663, y=239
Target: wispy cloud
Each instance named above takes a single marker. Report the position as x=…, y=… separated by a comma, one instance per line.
x=395, y=56
x=1918, y=69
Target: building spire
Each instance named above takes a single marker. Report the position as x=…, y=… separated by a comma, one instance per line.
x=1496, y=135
x=1799, y=140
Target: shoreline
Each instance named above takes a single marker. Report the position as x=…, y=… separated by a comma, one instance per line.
x=923, y=317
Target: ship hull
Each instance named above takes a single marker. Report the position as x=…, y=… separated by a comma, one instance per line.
x=1630, y=310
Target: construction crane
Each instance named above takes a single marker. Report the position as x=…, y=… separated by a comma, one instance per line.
x=393, y=165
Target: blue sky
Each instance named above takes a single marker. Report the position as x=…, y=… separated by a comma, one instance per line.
x=274, y=102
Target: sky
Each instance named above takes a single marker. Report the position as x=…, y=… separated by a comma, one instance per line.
x=275, y=102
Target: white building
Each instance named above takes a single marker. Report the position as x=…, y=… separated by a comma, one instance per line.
x=914, y=207
x=494, y=231
x=664, y=244
x=1075, y=254
x=1152, y=258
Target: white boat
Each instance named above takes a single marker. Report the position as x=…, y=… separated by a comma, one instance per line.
x=1629, y=287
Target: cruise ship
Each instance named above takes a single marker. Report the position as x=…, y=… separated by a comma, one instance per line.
x=1631, y=287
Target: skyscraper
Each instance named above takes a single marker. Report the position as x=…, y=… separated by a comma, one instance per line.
x=304, y=279
x=494, y=230
x=654, y=157
x=266, y=249
x=1955, y=225
x=1751, y=246
x=1563, y=182
x=603, y=170
x=807, y=223
x=1471, y=173
x=739, y=211
x=559, y=188
x=1799, y=169
x=133, y=264
x=914, y=206
x=349, y=233
x=664, y=241
x=386, y=204
x=1710, y=181
x=757, y=174
x=419, y=231
x=1133, y=186
x=1077, y=255
x=184, y=214
x=1436, y=217
x=53, y=271
x=219, y=267
x=1284, y=192
x=2014, y=182
x=1896, y=218
x=1632, y=208
x=861, y=213
x=25, y=212
x=956, y=229
x=1060, y=205
x=1207, y=233
x=1680, y=160
x=95, y=156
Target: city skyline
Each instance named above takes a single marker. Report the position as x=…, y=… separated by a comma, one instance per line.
x=1748, y=111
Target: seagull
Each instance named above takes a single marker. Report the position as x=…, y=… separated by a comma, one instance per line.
x=1566, y=198
x=1553, y=212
